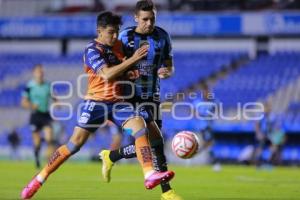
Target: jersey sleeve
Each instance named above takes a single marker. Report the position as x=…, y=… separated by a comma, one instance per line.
x=94, y=59
x=121, y=36
x=124, y=40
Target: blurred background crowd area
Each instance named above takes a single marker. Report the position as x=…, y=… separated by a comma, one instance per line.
x=245, y=51
x=33, y=7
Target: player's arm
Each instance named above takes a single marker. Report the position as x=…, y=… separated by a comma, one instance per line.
x=111, y=72
x=25, y=102
x=130, y=74
x=167, y=70
x=168, y=65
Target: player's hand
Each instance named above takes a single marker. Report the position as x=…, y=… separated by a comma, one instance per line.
x=125, y=58
x=140, y=53
x=164, y=72
x=133, y=74
x=34, y=107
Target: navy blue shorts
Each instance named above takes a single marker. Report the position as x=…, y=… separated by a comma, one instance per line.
x=92, y=114
x=151, y=107
x=39, y=120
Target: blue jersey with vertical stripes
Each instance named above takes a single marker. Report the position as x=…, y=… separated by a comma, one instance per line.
x=160, y=49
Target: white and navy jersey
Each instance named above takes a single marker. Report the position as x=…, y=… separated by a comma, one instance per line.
x=159, y=50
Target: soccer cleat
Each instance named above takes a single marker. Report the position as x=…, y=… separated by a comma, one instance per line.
x=157, y=177
x=107, y=165
x=31, y=189
x=170, y=195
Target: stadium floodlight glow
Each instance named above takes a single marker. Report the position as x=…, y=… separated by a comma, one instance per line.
x=60, y=97
x=59, y=105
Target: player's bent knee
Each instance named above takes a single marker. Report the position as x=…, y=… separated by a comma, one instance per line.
x=135, y=125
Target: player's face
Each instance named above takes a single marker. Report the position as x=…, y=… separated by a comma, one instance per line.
x=38, y=74
x=145, y=21
x=109, y=35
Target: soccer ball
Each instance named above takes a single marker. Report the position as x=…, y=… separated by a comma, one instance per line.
x=185, y=144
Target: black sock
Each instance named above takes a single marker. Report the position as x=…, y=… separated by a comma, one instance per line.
x=160, y=163
x=126, y=152
x=37, y=156
x=159, y=159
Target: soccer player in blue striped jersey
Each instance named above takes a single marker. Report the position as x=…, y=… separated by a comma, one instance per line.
x=146, y=78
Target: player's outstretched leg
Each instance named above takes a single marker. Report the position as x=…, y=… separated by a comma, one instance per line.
x=107, y=165
x=137, y=127
x=150, y=183
x=59, y=156
x=160, y=161
x=110, y=157
x=57, y=159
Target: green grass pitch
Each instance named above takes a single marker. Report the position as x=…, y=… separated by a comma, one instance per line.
x=80, y=180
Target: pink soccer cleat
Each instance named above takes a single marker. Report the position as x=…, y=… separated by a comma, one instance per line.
x=31, y=189
x=157, y=177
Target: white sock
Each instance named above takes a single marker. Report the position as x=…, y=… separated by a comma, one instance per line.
x=40, y=178
x=149, y=174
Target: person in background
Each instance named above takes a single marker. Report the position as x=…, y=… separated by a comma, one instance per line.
x=14, y=141
x=269, y=132
x=36, y=97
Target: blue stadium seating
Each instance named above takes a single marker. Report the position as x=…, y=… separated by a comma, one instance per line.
x=257, y=79
x=192, y=67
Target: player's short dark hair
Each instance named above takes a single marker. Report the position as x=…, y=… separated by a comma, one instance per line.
x=107, y=18
x=144, y=5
